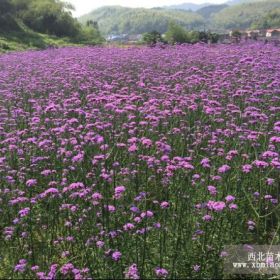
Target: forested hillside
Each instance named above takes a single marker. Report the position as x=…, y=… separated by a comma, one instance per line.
x=209, y=11
x=188, y=6
x=269, y=20
x=121, y=20
x=116, y=19
x=40, y=23
x=45, y=16
x=242, y=16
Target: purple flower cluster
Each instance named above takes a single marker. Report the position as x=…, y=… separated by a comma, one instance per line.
x=132, y=162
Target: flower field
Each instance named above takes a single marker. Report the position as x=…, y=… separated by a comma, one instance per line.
x=137, y=163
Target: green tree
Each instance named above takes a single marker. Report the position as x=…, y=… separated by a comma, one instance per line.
x=236, y=33
x=6, y=7
x=90, y=34
x=151, y=38
x=7, y=17
x=176, y=34
x=212, y=37
x=203, y=36
x=193, y=37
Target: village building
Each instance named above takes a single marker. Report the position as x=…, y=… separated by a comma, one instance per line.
x=273, y=33
x=256, y=34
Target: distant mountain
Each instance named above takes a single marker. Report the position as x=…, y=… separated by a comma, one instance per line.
x=209, y=11
x=121, y=20
x=188, y=6
x=218, y=18
x=235, y=2
x=195, y=7
x=238, y=2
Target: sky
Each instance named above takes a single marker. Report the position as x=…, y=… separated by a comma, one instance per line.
x=86, y=6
